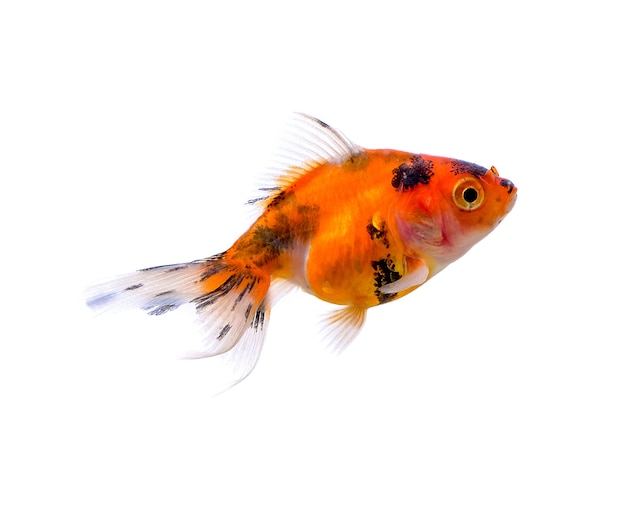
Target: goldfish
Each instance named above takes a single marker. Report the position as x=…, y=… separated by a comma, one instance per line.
x=352, y=226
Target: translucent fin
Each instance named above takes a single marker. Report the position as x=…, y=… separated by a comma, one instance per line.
x=230, y=303
x=311, y=141
x=342, y=327
x=234, y=365
x=155, y=290
x=307, y=143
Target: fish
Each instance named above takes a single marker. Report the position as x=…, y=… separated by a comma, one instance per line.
x=352, y=226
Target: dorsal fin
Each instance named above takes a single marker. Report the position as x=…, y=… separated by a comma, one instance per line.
x=308, y=142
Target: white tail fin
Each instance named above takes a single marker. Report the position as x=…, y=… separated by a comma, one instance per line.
x=230, y=303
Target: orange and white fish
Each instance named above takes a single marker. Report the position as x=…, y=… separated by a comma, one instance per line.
x=352, y=226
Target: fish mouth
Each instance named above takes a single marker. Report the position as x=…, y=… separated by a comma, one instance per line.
x=511, y=202
x=511, y=191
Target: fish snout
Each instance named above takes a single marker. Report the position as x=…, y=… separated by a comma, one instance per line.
x=512, y=198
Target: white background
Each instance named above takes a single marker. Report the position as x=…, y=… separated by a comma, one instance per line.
x=131, y=135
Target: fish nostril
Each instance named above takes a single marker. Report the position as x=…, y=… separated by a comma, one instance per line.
x=508, y=184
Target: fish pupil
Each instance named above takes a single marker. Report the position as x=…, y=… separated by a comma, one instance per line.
x=470, y=194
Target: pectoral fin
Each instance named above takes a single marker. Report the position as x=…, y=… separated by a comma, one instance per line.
x=342, y=326
x=416, y=274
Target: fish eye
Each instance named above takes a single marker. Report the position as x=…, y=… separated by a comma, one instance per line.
x=468, y=194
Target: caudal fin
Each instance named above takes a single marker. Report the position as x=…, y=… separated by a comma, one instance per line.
x=230, y=302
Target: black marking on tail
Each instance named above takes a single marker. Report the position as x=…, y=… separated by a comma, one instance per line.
x=210, y=298
x=134, y=287
x=160, y=310
x=259, y=317
x=214, y=264
x=247, y=288
x=177, y=268
x=224, y=331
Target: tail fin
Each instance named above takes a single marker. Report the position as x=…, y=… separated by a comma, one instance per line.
x=230, y=303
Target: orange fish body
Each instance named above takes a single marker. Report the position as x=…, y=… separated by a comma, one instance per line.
x=352, y=226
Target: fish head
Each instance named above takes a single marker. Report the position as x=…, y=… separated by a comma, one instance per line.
x=459, y=204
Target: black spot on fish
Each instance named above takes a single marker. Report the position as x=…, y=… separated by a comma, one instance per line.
x=417, y=171
x=308, y=221
x=134, y=287
x=271, y=238
x=160, y=294
x=278, y=199
x=385, y=273
x=273, y=194
x=384, y=297
x=268, y=241
x=378, y=234
x=462, y=167
x=211, y=297
x=508, y=185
